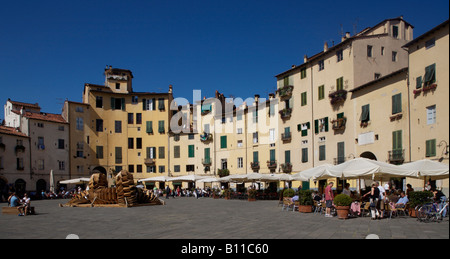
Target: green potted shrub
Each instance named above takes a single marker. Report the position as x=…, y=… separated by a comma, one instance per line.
x=252, y=194
x=227, y=194
x=288, y=193
x=305, y=201
x=417, y=199
x=342, y=203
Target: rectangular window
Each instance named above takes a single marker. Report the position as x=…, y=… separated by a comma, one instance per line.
x=149, y=129
x=130, y=143
x=304, y=155
x=321, y=92
x=223, y=142
x=431, y=114
x=255, y=157
x=369, y=51
x=365, y=113
x=161, y=128
x=396, y=103
x=240, y=162
x=80, y=123
x=191, y=149
x=430, y=75
x=60, y=143
x=118, y=155
x=118, y=126
x=394, y=56
x=430, y=43
x=161, y=106
x=255, y=138
x=303, y=73
x=117, y=103
x=340, y=152
x=321, y=65
x=340, y=55
x=130, y=118
x=99, y=152
x=176, y=151
x=304, y=100
x=99, y=125
x=176, y=168
x=162, y=152
x=151, y=152
x=162, y=169
x=418, y=82
x=340, y=83
x=138, y=143
x=322, y=153
x=287, y=156
x=98, y=102
x=397, y=146
x=272, y=155
x=148, y=104
x=138, y=118
x=321, y=125
x=395, y=31
x=430, y=148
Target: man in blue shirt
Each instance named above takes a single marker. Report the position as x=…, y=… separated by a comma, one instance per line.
x=14, y=201
x=401, y=203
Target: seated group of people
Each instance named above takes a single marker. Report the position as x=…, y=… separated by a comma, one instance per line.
x=22, y=205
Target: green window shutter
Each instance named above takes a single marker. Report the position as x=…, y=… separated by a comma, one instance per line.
x=341, y=152
x=322, y=153
x=144, y=104
x=161, y=105
x=191, y=149
x=430, y=148
x=326, y=124
x=430, y=74
x=304, y=155
x=161, y=127
x=316, y=126
x=340, y=115
x=365, y=113
x=113, y=102
x=162, y=152
x=123, y=104
x=272, y=155
x=321, y=92
x=223, y=142
x=255, y=157
x=150, y=127
x=207, y=153
x=287, y=156
x=397, y=140
x=340, y=83
x=299, y=127
x=418, y=82
x=118, y=155
x=304, y=100
x=286, y=81
x=396, y=103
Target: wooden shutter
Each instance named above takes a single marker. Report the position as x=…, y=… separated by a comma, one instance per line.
x=396, y=103
x=287, y=156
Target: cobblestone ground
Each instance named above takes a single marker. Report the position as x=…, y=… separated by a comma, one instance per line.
x=206, y=218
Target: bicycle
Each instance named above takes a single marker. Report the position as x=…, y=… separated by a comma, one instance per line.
x=430, y=212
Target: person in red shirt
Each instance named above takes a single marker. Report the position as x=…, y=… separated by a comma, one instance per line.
x=329, y=199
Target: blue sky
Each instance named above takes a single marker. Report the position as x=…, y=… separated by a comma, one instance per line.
x=50, y=49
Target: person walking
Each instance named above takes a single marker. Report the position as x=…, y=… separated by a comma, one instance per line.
x=374, y=196
x=329, y=196
x=167, y=192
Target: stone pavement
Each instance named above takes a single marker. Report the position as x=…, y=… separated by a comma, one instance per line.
x=205, y=218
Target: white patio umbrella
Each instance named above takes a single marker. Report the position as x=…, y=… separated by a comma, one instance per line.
x=187, y=178
x=76, y=181
x=366, y=168
x=312, y=173
x=428, y=168
x=234, y=178
x=155, y=179
x=209, y=180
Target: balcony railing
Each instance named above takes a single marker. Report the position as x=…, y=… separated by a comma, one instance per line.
x=272, y=164
x=286, y=167
x=396, y=156
x=286, y=113
x=254, y=165
x=287, y=136
x=206, y=161
x=338, y=96
x=149, y=161
x=285, y=91
x=339, y=123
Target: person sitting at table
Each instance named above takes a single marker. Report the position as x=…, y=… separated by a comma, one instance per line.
x=401, y=203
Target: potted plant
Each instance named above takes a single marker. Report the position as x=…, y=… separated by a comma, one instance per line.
x=288, y=193
x=252, y=194
x=216, y=193
x=418, y=199
x=305, y=201
x=227, y=194
x=342, y=203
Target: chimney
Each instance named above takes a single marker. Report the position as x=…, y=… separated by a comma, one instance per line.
x=256, y=98
x=305, y=58
x=347, y=35
x=271, y=96
x=325, y=47
x=170, y=89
